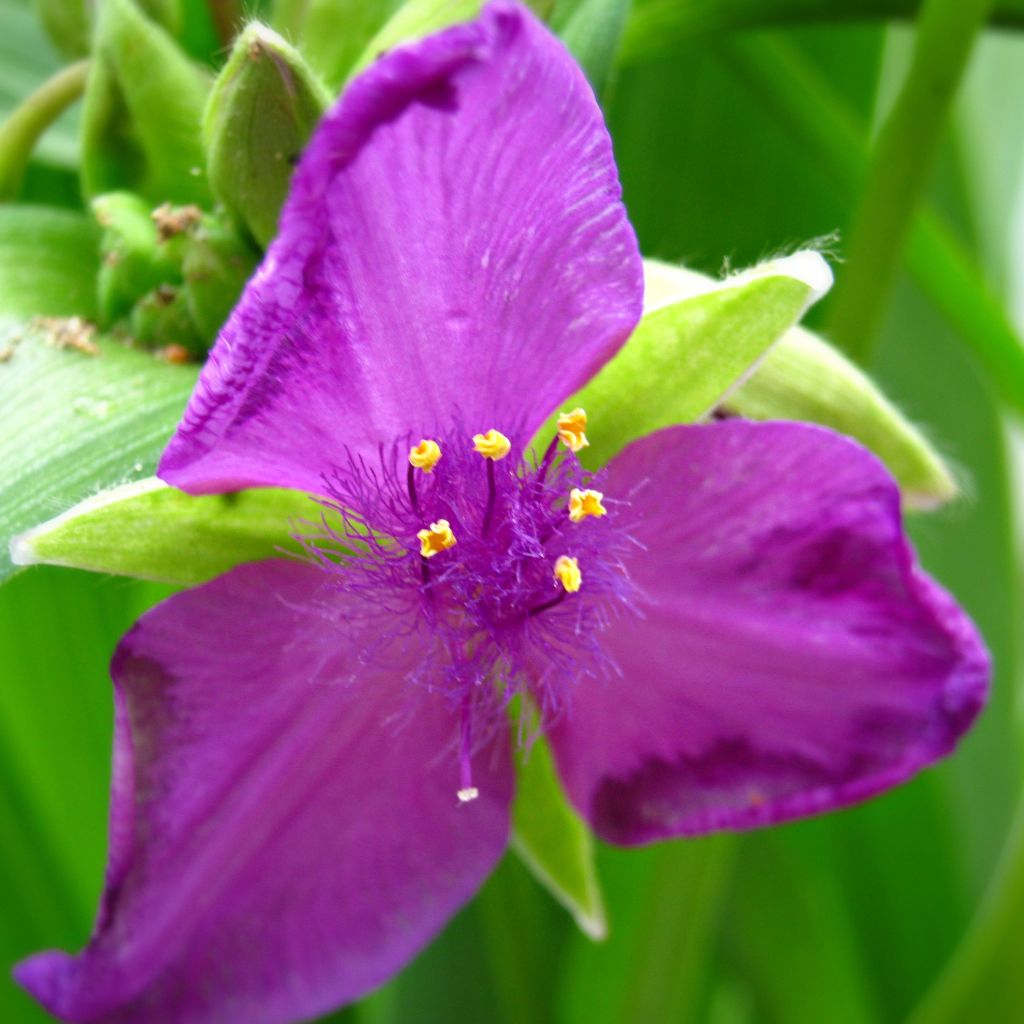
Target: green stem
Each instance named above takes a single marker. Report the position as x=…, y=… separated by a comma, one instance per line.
x=27, y=122
x=658, y=26
x=827, y=131
x=899, y=167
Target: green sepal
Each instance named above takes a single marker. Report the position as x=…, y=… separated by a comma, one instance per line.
x=553, y=841
x=263, y=107
x=50, y=258
x=143, y=108
x=163, y=318
x=805, y=378
x=77, y=419
x=802, y=377
x=684, y=356
x=155, y=532
x=217, y=264
x=135, y=260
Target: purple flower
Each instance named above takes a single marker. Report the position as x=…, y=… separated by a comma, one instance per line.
x=724, y=628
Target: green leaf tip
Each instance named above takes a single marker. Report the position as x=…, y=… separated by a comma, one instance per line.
x=151, y=531
x=264, y=105
x=554, y=842
x=694, y=343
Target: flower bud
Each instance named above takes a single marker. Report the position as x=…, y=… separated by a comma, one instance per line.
x=218, y=262
x=263, y=107
x=162, y=319
x=142, y=111
x=804, y=378
x=134, y=258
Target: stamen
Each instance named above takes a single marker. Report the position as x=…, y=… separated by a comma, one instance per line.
x=491, y=495
x=425, y=455
x=548, y=604
x=585, y=503
x=410, y=483
x=467, y=791
x=437, y=538
x=572, y=428
x=493, y=445
x=567, y=572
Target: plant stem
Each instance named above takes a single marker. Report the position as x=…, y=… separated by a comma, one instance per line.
x=828, y=132
x=27, y=122
x=898, y=171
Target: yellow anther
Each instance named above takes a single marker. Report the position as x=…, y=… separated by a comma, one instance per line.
x=585, y=503
x=567, y=572
x=572, y=429
x=492, y=445
x=425, y=455
x=436, y=539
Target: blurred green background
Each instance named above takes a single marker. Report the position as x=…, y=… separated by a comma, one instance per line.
x=741, y=128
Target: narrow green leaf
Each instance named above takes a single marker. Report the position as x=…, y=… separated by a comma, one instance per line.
x=76, y=422
x=331, y=34
x=143, y=108
x=554, y=842
x=151, y=531
x=263, y=107
x=50, y=259
x=592, y=29
x=684, y=356
x=414, y=20
x=27, y=60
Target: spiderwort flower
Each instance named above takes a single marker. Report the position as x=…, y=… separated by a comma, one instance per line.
x=724, y=628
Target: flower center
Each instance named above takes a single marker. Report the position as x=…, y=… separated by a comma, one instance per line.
x=499, y=571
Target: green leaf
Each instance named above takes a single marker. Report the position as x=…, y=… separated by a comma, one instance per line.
x=50, y=259
x=151, y=531
x=684, y=356
x=414, y=20
x=554, y=842
x=27, y=61
x=263, y=107
x=592, y=29
x=143, y=108
x=75, y=423
x=331, y=34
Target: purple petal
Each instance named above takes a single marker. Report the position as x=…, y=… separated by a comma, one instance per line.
x=790, y=657
x=285, y=834
x=454, y=246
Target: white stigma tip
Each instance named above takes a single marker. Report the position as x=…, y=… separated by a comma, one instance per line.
x=809, y=267
x=466, y=795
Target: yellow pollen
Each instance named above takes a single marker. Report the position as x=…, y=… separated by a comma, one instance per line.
x=585, y=503
x=425, y=455
x=437, y=539
x=492, y=445
x=567, y=572
x=572, y=428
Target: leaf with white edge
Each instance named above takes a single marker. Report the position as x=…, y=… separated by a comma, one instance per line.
x=685, y=356
x=155, y=532
x=80, y=413
x=802, y=377
x=554, y=842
